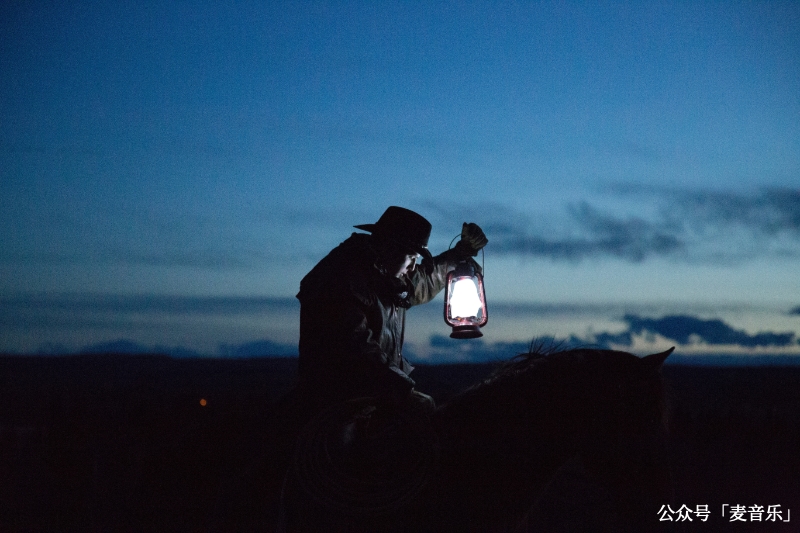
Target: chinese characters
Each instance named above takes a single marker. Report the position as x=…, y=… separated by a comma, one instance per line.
x=734, y=513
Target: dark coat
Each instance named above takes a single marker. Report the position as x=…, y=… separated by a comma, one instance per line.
x=352, y=322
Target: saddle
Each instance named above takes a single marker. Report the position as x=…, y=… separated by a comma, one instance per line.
x=365, y=457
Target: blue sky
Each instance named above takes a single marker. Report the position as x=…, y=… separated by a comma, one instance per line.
x=639, y=160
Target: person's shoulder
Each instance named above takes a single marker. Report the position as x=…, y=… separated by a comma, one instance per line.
x=345, y=272
x=351, y=253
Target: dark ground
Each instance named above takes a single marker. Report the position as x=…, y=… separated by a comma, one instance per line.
x=121, y=443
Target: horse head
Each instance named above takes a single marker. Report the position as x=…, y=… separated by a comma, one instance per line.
x=623, y=452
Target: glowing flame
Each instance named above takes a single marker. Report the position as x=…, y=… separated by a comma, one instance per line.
x=464, y=300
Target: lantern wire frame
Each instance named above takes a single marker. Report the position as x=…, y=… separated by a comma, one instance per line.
x=469, y=332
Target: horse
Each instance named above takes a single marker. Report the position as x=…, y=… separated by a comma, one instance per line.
x=496, y=456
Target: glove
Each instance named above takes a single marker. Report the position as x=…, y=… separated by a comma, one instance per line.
x=421, y=402
x=472, y=240
x=396, y=385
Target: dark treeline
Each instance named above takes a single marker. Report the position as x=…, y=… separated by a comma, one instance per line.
x=151, y=443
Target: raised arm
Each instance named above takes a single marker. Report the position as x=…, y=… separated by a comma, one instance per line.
x=429, y=280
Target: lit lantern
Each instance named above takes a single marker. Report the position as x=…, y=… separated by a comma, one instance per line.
x=465, y=302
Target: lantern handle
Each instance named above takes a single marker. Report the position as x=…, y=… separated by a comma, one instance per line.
x=483, y=254
x=451, y=242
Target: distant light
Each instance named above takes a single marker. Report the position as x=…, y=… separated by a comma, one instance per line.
x=203, y=402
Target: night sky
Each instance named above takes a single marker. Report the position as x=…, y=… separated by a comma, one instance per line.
x=170, y=170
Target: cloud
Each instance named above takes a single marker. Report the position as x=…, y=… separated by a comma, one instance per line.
x=633, y=239
x=795, y=311
x=123, y=346
x=171, y=256
x=119, y=346
x=767, y=212
x=630, y=222
x=685, y=329
x=129, y=347
x=260, y=348
x=447, y=350
x=726, y=225
x=712, y=335
x=156, y=304
x=639, y=222
x=57, y=317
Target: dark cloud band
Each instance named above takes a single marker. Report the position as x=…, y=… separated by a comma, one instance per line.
x=696, y=226
x=688, y=329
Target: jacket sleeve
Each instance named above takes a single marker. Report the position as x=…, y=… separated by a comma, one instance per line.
x=364, y=352
x=428, y=285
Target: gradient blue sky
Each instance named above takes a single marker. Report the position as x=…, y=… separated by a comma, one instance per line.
x=171, y=170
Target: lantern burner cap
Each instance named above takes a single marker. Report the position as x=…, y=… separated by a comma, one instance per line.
x=466, y=332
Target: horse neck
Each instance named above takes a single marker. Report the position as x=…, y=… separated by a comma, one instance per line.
x=534, y=416
x=503, y=442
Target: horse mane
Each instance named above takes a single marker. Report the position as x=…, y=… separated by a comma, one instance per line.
x=541, y=355
x=580, y=374
x=539, y=351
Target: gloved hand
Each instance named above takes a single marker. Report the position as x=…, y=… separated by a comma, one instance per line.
x=472, y=240
x=421, y=402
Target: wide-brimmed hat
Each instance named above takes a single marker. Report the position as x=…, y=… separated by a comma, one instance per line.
x=407, y=228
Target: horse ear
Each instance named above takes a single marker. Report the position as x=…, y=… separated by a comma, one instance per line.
x=657, y=359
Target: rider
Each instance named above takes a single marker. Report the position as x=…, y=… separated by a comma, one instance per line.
x=353, y=305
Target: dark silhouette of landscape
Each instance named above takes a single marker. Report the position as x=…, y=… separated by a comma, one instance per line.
x=150, y=443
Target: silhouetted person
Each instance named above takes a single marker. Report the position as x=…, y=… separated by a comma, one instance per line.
x=353, y=305
x=352, y=321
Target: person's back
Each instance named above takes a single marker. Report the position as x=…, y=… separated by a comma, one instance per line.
x=351, y=327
